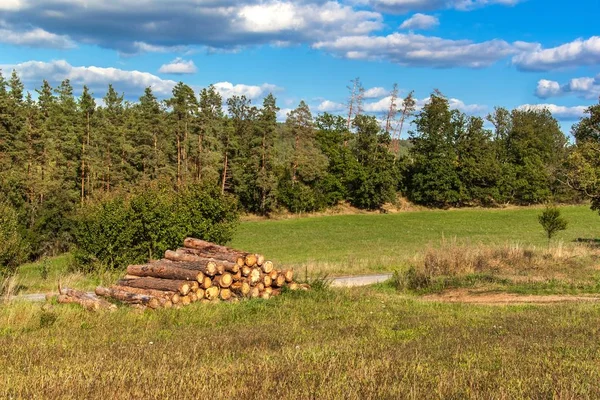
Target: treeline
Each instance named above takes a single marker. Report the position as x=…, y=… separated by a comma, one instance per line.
x=59, y=152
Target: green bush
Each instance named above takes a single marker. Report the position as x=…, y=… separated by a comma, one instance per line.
x=13, y=250
x=125, y=230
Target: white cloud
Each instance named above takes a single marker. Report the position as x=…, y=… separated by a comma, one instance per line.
x=97, y=78
x=282, y=114
x=584, y=87
x=576, y=53
x=375, y=92
x=178, y=66
x=418, y=50
x=420, y=21
x=330, y=106
x=35, y=38
x=406, y=6
x=228, y=89
x=470, y=109
x=157, y=25
x=560, y=112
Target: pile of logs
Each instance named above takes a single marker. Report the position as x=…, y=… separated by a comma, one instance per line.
x=199, y=271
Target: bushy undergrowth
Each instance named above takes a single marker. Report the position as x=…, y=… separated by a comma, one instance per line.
x=12, y=247
x=130, y=229
x=453, y=265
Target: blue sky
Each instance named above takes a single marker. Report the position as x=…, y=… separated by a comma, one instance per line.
x=480, y=53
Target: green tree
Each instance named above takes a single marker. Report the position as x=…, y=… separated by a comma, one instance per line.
x=552, y=222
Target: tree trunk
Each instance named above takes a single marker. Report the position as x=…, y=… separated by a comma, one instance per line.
x=223, y=281
x=201, y=255
x=224, y=179
x=166, y=272
x=146, y=292
x=240, y=288
x=86, y=300
x=128, y=297
x=190, y=261
x=183, y=287
x=225, y=294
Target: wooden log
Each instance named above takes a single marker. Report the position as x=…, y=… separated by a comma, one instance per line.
x=266, y=280
x=269, y=290
x=169, y=285
x=220, y=269
x=207, y=267
x=260, y=260
x=131, y=277
x=190, y=261
x=237, y=277
x=254, y=293
x=288, y=274
x=245, y=270
x=176, y=299
x=250, y=260
x=185, y=300
x=128, y=297
x=212, y=293
x=194, y=285
x=273, y=274
x=279, y=281
x=165, y=271
x=260, y=286
x=206, y=282
x=84, y=299
x=231, y=268
x=265, y=295
x=254, y=276
x=234, y=258
x=223, y=281
x=294, y=286
x=200, y=294
x=147, y=292
x=267, y=267
x=240, y=288
x=193, y=297
x=225, y=294
x=165, y=303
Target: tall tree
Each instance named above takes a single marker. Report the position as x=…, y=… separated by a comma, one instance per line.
x=183, y=106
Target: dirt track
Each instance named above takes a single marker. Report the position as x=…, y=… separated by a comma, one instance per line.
x=490, y=298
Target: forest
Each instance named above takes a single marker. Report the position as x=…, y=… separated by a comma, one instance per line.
x=62, y=154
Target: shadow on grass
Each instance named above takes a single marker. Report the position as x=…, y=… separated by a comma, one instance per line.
x=590, y=242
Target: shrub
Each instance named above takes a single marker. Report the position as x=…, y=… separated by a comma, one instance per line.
x=552, y=222
x=125, y=230
x=13, y=250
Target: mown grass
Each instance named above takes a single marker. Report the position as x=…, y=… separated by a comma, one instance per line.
x=354, y=344
x=351, y=244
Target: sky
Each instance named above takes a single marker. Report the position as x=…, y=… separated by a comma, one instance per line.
x=479, y=53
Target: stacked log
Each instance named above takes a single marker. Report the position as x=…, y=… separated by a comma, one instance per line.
x=200, y=271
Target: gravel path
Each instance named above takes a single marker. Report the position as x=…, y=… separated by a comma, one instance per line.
x=344, y=281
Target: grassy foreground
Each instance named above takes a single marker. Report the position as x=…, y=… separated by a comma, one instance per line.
x=356, y=344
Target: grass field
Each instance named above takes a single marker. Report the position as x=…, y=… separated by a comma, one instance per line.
x=351, y=244
x=359, y=244
x=369, y=343
x=365, y=343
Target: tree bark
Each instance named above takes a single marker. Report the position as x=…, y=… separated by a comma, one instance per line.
x=86, y=300
x=166, y=272
x=147, y=292
x=189, y=261
x=183, y=287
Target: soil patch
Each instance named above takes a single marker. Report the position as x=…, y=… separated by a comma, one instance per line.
x=498, y=298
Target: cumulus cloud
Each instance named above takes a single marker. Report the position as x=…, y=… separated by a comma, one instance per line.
x=420, y=21
x=406, y=6
x=97, y=78
x=218, y=24
x=559, y=112
x=418, y=50
x=576, y=53
x=330, y=106
x=35, y=38
x=228, y=89
x=178, y=66
x=584, y=87
x=375, y=92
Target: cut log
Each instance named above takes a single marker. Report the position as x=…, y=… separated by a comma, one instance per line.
x=240, y=288
x=165, y=271
x=164, y=303
x=224, y=280
x=194, y=285
x=294, y=286
x=185, y=300
x=289, y=275
x=225, y=294
x=237, y=276
x=193, y=297
x=176, y=299
x=273, y=274
x=260, y=286
x=267, y=267
x=269, y=290
x=131, y=277
x=254, y=293
x=279, y=281
x=170, y=285
x=208, y=267
x=220, y=269
x=206, y=283
x=212, y=293
x=84, y=299
x=233, y=258
x=231, y=268
x=266, y=280
x=260, y=260
x=245, y=270
x=200, y=293
x=265, y=295
x=250, y=260
x=128, y=297
x=147, y=292
x=254, y=276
